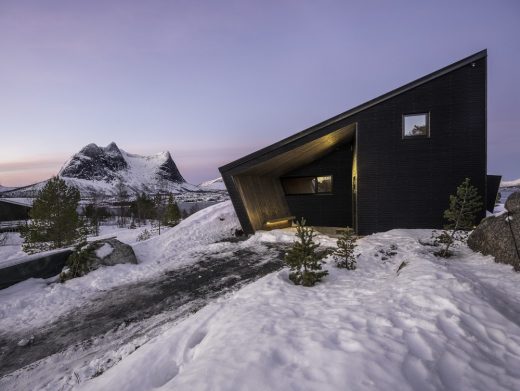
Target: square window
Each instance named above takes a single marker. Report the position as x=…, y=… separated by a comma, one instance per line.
x=416, y=125
x=324, y=184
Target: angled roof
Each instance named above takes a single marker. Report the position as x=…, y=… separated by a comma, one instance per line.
x=355, y=110
x=19, y=201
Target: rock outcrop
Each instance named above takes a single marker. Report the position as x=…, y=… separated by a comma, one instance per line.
x=95, y=163
x=105, y=252
x=499, y=236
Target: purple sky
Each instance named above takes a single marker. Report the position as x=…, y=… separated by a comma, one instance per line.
x=212, y=81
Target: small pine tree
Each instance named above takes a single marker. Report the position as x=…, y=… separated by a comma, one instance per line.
x=303, y=259
x=55, y=221
x=461, y=215
x=172, y=214
x=344, y=254
x=145, y=235
x=159, y=209
x=122, y=199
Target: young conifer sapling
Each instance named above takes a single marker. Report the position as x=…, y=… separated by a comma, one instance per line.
x=344, y=255
x=464, y=208
x=303, y=258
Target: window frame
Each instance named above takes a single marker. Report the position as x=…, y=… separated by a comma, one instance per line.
x=413, y=114
x=315, y=177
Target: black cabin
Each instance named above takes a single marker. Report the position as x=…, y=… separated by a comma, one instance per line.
x=389, y=163
x=14, y=209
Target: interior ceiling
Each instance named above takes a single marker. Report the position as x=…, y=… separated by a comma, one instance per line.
x=285, y=162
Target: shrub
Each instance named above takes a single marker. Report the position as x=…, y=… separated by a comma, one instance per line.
x=344, y=254
x=145, y=235
x=464, y=208
x=55, y=221
x=303, y=259
x=77, y=263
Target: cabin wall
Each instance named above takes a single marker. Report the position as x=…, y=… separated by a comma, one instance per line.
x=333, y=210
x=406, y=183
x=263, y=198
x=11, y=212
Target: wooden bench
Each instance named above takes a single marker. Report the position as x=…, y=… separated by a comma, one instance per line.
x=282, y=222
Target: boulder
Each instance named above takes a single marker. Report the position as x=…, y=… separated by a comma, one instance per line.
x=105, y=252
x=499, y=236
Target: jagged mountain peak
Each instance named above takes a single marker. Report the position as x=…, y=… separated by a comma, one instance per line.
x=111, y=164
x=112, y=148
x=91, y=150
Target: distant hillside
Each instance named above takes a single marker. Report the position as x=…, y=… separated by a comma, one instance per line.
x=214, y=184
x=4, y=188
x=515, y=183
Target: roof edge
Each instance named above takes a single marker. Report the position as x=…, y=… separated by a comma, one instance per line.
x=397, y=91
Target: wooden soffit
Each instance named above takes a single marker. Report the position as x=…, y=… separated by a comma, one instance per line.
x=284, y=162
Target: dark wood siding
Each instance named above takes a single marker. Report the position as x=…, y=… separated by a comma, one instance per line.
x=492, y=187
x=263, y=198
x=9, y=211
x=407, y=183
x=326, y=209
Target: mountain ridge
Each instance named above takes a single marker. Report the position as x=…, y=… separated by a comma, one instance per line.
x=97, y=169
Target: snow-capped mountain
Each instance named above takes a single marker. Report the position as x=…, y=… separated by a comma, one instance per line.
x=101, y=169
x=214, y=184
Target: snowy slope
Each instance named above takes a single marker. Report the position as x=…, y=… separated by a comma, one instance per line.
x=434, y=325
x=4, y=188
x=214, y=184
x=515, y=183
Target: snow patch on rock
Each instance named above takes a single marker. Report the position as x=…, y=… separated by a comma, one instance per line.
x=104, y=251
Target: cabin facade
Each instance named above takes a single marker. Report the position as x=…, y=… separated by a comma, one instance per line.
x=12, y=209
x=389, y=163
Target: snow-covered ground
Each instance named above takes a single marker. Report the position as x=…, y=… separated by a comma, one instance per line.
x=11, y=249
x=35, y=302
x=436, y=324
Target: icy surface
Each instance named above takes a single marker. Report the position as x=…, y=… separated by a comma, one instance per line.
x=437, y=324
